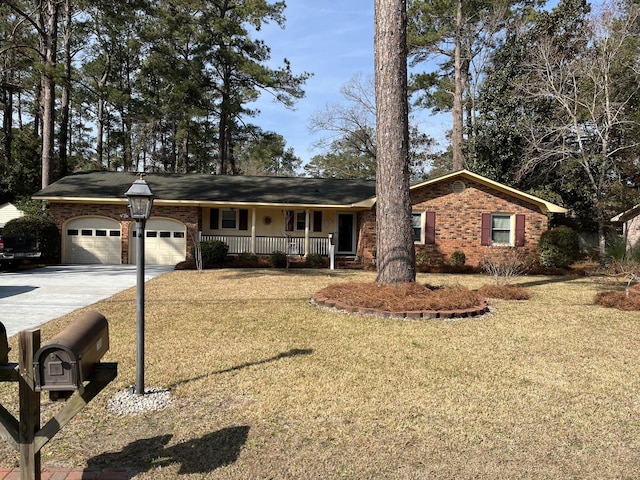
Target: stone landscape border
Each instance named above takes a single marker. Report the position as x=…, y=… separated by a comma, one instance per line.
x=322, y=300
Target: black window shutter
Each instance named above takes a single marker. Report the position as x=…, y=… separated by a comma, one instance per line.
x=243, y=219
x=317, y=221
x=289, y=219
x=214, y=219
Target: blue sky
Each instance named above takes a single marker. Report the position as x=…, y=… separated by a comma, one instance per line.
x=333, y=39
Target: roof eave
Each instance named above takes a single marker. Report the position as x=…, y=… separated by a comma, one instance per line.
x=204, y=203
x=627, y=215
x=79, y=199
x=545, y=207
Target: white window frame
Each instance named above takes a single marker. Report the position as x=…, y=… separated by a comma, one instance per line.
x=414, y=216
x=233, y=211
x=511, y=230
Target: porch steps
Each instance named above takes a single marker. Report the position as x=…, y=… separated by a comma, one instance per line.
x=349, y=263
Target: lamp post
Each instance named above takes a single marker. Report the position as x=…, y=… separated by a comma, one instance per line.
x=140, y=201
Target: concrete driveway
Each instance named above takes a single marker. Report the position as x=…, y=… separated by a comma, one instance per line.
x=32, y=297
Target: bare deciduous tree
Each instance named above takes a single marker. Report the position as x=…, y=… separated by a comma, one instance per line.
x=589, y=94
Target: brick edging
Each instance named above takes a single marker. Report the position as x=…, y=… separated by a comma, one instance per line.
x=71, y=474
x=322, y=301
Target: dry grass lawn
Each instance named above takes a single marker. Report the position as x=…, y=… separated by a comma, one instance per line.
x=267, y=386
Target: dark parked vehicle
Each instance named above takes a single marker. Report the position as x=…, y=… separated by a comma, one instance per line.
x=14, y=249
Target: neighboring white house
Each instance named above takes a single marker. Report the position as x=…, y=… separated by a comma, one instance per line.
x=8, y=211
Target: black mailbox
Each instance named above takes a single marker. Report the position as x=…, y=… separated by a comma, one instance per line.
x=63, y=364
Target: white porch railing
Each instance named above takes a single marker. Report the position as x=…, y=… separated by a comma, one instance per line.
x=268, y=245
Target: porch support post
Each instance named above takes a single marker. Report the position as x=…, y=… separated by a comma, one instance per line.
x=307, y=222
x=253, y=230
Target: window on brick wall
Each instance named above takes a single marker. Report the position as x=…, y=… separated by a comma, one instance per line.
x=417, y=224
x=424, y=227
x=503, y=229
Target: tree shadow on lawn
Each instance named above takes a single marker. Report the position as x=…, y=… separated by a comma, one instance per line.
x=201, y=455
x=294, y=352
x=244, y=273
x=550, y=280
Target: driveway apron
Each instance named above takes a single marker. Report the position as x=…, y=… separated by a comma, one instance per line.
x=32, y=297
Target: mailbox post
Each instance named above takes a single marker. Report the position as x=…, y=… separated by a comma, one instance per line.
x=140, y=202
x=68, y=365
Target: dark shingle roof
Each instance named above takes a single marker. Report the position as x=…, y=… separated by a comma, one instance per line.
x=103, y=186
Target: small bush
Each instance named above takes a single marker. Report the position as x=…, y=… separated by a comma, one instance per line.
x=616, y=248
x=247, y=258
x=214, y=252
x=423, y=259
x=457, y=258
x=313, y=260
x=278, y=259
x=618, y=251
x=559, y=247
x=503, y=264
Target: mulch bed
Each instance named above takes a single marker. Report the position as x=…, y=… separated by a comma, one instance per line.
x=620, y=300
x=504, y=292
x=407, y=300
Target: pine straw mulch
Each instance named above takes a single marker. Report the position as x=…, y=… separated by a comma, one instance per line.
x=504, y=292
x=403, y=297
x=415, y=296
x=620, y=300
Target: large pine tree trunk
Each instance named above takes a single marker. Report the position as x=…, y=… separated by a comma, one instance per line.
x=396, y=253
x=7, y=117
x=459, y=79
x=47, y=20
x=65, y=98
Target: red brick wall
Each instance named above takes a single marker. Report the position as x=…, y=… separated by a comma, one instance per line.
x=190, y=216
x=458, y=221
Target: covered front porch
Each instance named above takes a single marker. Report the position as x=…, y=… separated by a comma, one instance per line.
x=266, y=245
x=294, y=231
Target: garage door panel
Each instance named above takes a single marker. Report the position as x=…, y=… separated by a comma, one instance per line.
x=165, y=242
x=93, y=240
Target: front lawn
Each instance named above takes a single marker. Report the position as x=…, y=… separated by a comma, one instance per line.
x=267, y=385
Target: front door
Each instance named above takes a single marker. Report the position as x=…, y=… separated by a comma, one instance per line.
x=346, y=234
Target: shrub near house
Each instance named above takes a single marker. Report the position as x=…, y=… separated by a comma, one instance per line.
x=559, y=247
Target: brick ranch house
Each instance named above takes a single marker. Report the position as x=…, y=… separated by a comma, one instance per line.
x=458, y=211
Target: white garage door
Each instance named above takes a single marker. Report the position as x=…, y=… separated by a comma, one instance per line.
x=165, y=242
x=92, y=240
